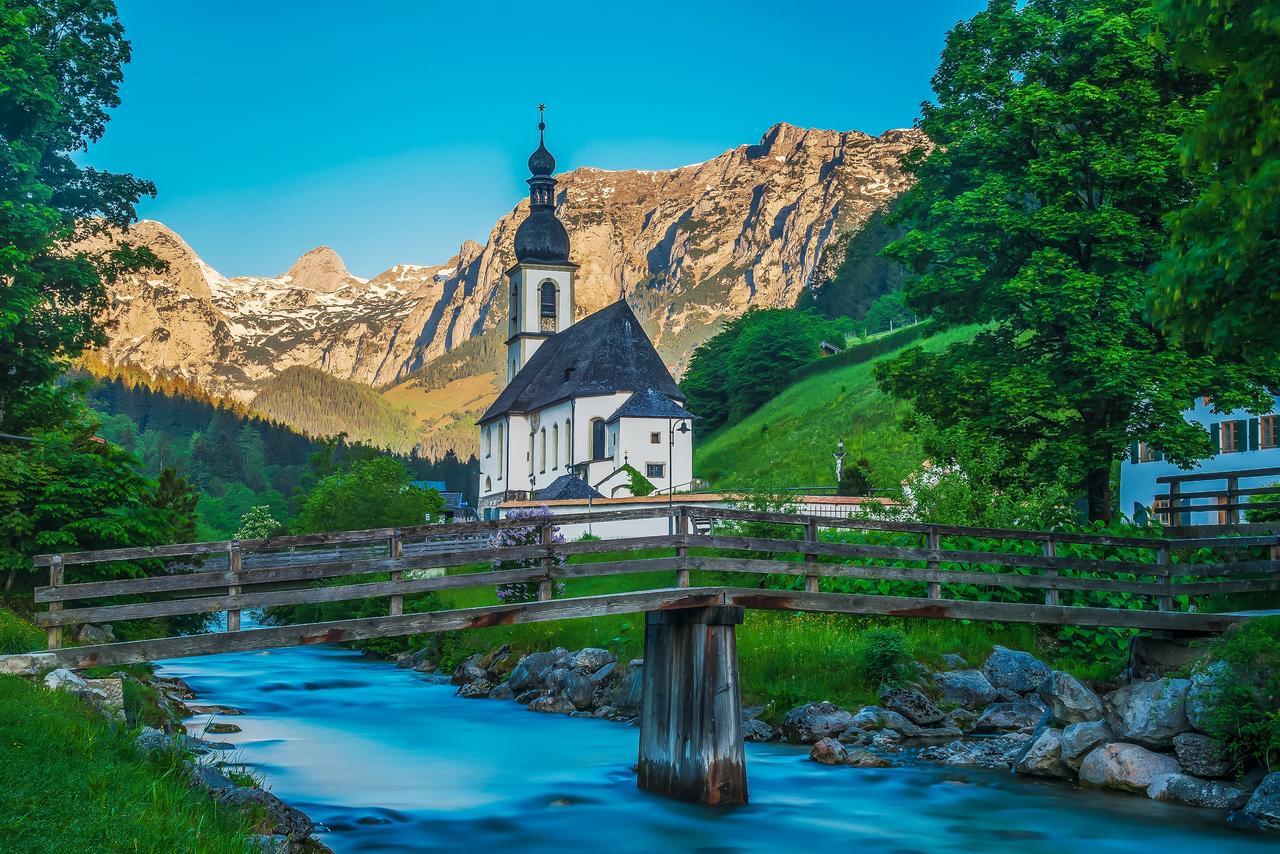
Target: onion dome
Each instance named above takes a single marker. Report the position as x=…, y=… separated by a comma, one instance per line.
x=542, y=237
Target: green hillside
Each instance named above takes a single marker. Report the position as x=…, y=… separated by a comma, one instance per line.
x=319, y=404
x=788, y=442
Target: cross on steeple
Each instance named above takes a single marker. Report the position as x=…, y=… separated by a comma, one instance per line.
x=542, y=124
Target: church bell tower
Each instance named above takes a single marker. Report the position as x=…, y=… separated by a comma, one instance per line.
x=541, y=282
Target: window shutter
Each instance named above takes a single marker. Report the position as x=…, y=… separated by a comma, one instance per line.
x=1156, y=455
x=1253, y=434
x=1215, y=436
x=1133, y=453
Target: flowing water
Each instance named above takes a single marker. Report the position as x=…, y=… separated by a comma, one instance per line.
x=392, y=760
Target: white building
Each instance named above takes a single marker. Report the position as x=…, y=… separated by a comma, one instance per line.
x=589, y=404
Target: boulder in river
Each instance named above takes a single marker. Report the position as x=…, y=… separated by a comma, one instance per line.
x=813, y=722
x=476, y=689
x=1078, y=740
x=502, y=692
x=828, y=751
x=1129, y=767
x=577, y=687
x=911, y=704
x=629, y=690
x=1020, y=672
x=1195, y=792
x=1069, y=700
x=1205, y=684
x=968, y=688
x=1043, y=756
x=1201, y=755
x=998, y=752
x=278, y=817
x=532, y=670
x=1149, y=713
x=1264, y=805
x=1000, y=717
x=555, y=705
x=591, y=659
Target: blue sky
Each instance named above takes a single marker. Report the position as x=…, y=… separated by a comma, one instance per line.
x=393, y=131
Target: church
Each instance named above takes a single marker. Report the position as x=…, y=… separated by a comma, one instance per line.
x=588, y=404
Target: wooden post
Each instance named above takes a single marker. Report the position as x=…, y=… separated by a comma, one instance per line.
x=691, y=712
x=1164, y=559
x=811, y=536
x=55, y=580
x=934, y=543
x=546, y=587
x=1051, y=596
x=233, y=564
x=1233, y=515
x=396, y=605
x=682, y=550
x=1175, y=518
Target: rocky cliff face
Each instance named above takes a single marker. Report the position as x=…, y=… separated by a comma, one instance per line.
x=690, y=247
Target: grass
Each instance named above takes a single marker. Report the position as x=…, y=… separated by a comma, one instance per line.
x=18, y=635
x=72, y=783
x=788, y=442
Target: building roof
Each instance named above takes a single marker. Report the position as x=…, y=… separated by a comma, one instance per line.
x=567, y=487
x=605, y=353
x=649, y=403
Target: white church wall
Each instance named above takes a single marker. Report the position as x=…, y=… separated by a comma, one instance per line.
x=636, y=438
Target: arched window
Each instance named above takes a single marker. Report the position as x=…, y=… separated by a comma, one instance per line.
x=568, y=442
x=542, y=449
x=515, y=307
x=502, y=451
x=532, y=436
x=488, y=441
x=555, y=446
x=488, y=485
x=597, y=438
x=547, y=299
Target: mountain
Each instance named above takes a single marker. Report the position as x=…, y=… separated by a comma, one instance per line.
x=690, y=247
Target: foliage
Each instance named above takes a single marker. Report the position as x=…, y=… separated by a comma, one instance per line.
x=881, y=656
x=320, y=404
x=751, y=360
x=888, y=311
x=370, y=493
x=60, y=72
x=1264, y=514
x=639, y=484
x=1039, y=214
x=257, y=523
x=1244, y=702
x=17, y=635
x=1217, y=284
x=175, y=496
x=72, y=782
x=855, y=478
x=537, y=517
x=865, y=351
x=864, y=275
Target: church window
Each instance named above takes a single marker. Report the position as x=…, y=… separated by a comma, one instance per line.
x=547, y=299
x=542, y=449
x=488, y=485
x=532, y=436
x=655, y=470
x=597, y=438
x=555, y=446
x=502, y=450
x=515, y=308
x=568, y=441
x=488, y=442
x=655, y=438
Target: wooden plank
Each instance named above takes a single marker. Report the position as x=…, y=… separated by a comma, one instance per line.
x=395, y=550
x=1218, y=475
x=1004, y=612
x=933, y=542
x=233, y=590
x=546, y=587
x=54, y=635
x=1163, y=557
x=812, y=580
x=1051, y=596
x=682, y=551
x=1214, y=493
x=342, y=631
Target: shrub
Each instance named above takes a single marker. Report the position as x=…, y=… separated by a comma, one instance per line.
x=524, y=591
x=881, y=656
x=1244, y=706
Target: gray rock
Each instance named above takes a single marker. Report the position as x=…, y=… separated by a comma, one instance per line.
x=855, y=735
x=1264, y=805
x=64, y=680
x=953, y=661
x=961, y=719
x=532, y=670
x=860, y=757
x=629, y=690
x=152, y=742
x=887, y=741
x=221, y=728
x=828, y=751
x=1195, y=792
x=890, y=719
x=1020, y=672
x=502, y=692
x=813, y=722
x=262, y=843
x=211, y=779
x=1078, y=740
x=476, y=689
x=1149, y=713
x=90, y=634
x=526, y=697
x=27, y=664
x=964, y=688
x=591, y=659
x=1151, y=657
x=606, y=673
x=202, y=747
x=755, y=730
x=604, y=712
x=911, y=704
x=1006, y=716
x=555, y=705
x=279, y=817
x=578, y=689
x=868, y=717
x=1205, y=683
x=1129, y=767
x=1069, y=700
x=469, y=671
x=1043, y=756
x=999, y=752
x=939, y=732
x=554, y=681
x=1201, y=755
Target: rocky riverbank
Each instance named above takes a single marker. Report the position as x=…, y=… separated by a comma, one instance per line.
x=1148, y=736
x=280, y=827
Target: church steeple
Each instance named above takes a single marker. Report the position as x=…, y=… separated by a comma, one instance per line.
x=542, y=280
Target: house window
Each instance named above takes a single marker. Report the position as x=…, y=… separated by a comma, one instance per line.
x=655, y=438
x=1147, y=453
x=1267, y=432
x=597, y=438
x=1229, y=437
x=555, y=446
x=654, y=470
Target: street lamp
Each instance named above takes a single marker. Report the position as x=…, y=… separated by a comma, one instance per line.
x=672, y=430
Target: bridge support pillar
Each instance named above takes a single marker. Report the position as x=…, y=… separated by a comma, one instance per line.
x=691, y=714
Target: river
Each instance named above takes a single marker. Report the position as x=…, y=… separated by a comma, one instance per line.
x=391, y=760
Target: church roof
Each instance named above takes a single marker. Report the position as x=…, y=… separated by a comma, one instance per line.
x=567, y=486
x=605, y=353
x=649, y=403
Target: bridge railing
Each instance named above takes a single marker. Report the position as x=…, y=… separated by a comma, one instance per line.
x=975, y=573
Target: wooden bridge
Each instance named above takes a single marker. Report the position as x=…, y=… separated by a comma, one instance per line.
x=715, y=564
